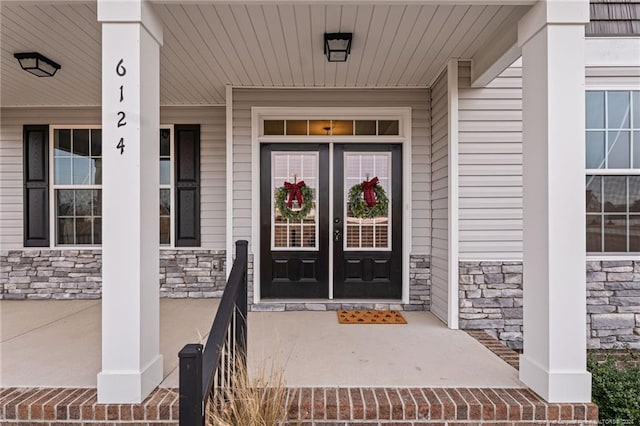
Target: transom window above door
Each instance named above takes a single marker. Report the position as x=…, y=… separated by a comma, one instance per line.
x=298, y=127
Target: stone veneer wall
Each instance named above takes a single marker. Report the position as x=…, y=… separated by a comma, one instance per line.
x=613, y=304
x=491, y=300
x=76, y=274
x=419, y=293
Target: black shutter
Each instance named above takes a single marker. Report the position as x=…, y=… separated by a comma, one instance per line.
x=187, y=185
x=36, y=186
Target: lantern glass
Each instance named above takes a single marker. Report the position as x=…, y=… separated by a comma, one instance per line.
x=337, y=46
x=37, y=64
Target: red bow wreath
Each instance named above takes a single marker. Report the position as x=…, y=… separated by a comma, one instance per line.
x=369, y=193
x=294, y=192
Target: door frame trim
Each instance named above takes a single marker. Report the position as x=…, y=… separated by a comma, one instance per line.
x=403, y=114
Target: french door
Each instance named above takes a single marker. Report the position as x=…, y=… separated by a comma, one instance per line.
x=356, y=247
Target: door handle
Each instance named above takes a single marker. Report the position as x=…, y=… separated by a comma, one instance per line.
x=336, y=235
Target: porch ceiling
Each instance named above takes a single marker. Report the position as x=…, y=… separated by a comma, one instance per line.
x=264, y=44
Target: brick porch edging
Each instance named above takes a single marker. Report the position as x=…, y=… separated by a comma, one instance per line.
x=309, y=406
x=505, y=353
x=428, y=406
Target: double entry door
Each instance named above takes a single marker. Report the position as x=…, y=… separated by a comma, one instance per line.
x=331, y=221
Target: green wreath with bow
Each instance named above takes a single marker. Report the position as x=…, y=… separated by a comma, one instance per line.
x=286, y=194
x=368, y=200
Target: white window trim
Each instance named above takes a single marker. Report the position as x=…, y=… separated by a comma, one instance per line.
x=258, y=114
x=610, y=256
x=52, y=187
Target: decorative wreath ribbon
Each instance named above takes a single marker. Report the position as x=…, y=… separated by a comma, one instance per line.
x=294, y=193
x=369, y=193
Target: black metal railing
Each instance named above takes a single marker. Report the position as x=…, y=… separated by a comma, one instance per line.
x=203, y=372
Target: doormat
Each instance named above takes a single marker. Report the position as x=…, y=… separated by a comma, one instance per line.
x=370, y=317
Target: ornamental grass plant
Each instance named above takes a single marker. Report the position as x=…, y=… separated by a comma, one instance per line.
x=616, y=387
x=256, y=399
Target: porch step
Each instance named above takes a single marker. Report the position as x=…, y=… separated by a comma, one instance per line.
x=309, y=406
x=430, y=406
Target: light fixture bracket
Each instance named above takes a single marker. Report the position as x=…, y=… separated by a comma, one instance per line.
x=37, y=64
x=337, y=46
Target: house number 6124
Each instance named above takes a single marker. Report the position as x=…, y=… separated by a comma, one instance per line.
x=120, y=72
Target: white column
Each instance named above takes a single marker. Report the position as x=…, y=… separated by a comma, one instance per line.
x=131, y=360
x=554, y=361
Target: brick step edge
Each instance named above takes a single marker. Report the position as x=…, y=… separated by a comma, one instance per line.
x=54, y=406
x=505, y=353
x=432, y=404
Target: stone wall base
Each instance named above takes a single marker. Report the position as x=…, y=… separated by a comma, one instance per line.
x=491, y=300
x=77, y=274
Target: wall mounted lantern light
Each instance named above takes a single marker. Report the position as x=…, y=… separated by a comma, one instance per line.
x=37, y=64
x=337, y=46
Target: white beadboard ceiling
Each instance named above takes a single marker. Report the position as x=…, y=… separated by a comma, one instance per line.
x=260, y=45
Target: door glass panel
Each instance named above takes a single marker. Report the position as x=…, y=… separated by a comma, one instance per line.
x=294, y=198
x=367, y=197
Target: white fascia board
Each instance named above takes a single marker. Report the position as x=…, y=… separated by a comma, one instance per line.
x=612, y=52
x=345, y=2
x=499, y=52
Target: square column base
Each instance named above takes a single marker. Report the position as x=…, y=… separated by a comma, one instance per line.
x=131, y=387
x=562, y=386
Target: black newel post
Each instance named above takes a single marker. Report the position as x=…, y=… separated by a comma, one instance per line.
x=242, y=254
x=191, y=410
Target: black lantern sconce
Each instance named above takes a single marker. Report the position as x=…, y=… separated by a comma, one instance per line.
x=37, y=64
x=337, y=46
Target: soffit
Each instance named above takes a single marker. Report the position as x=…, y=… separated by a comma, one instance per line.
x=254, y=45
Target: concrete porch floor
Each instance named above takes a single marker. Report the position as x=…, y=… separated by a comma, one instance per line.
x=57, y=344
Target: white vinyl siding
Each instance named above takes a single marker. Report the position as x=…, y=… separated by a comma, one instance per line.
x=212, y=168
x=613, y=78
x=440, y=199
x=490, y=164
x=11, y=162
x=490, y=158
x=211, y=119
x=417, y=99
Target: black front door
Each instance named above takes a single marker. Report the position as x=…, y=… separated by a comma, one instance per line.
x=367, y=240
x=294, y=249
x=365, y=233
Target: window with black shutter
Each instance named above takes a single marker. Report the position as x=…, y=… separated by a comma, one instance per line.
x=187, y=185
x=36, y=185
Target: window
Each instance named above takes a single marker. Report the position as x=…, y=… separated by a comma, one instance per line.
x=77, y=183
x=613, y=171
x=331, y=127
x=77, y=186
